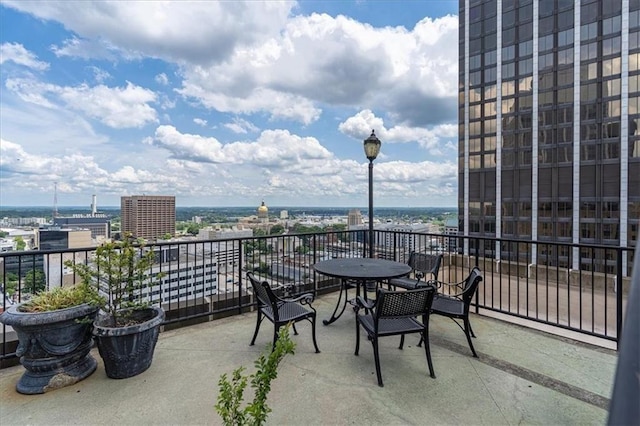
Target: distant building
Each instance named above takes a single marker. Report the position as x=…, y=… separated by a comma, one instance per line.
x=263, y=213
x=99, y=225
x=148, y=216
x=61, y=239
x=354, y=217
x=210, y=233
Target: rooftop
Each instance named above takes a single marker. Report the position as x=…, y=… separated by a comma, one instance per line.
x=521, y=376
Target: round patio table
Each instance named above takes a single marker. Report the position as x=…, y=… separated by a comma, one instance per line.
x=358, y=270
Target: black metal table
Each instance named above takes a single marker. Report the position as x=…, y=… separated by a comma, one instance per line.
x=360, y=270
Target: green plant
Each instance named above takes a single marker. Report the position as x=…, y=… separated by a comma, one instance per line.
x=121, y=269
x=231, y=393
x=63, y=297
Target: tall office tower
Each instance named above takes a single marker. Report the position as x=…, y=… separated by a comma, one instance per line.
x=548, y=108
x=148, y=216
x=354, y=217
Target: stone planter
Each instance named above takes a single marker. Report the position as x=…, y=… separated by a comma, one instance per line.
x=53, y=346
x=128, y=351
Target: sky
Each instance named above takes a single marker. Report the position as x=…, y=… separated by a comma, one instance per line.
x=228, y=103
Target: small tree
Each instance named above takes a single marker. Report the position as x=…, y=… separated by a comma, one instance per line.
x=35, y=281
x=122, y=269
x=232, y=393
x=20, y=243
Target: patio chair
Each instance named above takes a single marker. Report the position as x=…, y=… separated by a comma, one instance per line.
x=456, y=305
x=422, y=264
x=281, y=311
x=395, y=313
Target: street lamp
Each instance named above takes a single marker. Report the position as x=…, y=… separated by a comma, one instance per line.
x=371, y=150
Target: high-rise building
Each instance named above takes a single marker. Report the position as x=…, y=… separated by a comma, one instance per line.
x=148, y=216
x=549, y=102
x=354, y=217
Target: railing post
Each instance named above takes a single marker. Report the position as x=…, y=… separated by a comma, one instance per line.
x=619, y=297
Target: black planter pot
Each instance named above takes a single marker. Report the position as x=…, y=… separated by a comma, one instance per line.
x=53, y=346
x=128, y=351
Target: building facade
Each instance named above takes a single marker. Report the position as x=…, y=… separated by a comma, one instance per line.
x=549, y=100
x=148, y=216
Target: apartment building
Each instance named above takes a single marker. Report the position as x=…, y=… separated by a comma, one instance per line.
x=148, y=216
x=549, y=150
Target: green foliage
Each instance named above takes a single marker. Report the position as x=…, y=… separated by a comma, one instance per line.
x=3, y=234
x=193, y=229
x=276, y=230
x=231, y=394
x=123, y=269
x=259, y=232
x=10, y=283
x=64, y=297
x=20, y=243
x=35, y=281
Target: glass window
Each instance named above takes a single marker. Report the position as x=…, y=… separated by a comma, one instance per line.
x=509, y=70
x=545, y=43
x=490, y=58
x=565, y=95
x=525, y=48
x=525, y=31
x=589, y=71
x=565, y=57
x=589, y=31
x=611, y=46
x=633, y=83
x=508, y=19
x=611, y=67
x=565, y=37
x=545, y=26
x=525, y=66
x=611, y=87
x=508, y=36
x=508, y=53
x=565, y=20
x=475, y=62
x=508, y=88
x=589, y=51
x=634, y=60
x=611, y=25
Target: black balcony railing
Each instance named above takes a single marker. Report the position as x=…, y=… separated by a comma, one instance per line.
x=578, y=287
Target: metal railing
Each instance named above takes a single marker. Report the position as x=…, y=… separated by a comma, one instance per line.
x=582, y=288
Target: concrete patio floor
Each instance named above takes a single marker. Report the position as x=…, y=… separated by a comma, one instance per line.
x=522, y=376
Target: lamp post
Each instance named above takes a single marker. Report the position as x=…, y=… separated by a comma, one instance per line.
x=371, y=150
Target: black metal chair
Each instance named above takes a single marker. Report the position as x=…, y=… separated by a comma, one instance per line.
x=395, y=313
x=422, y=264
x=456, y=305
x=281, y=311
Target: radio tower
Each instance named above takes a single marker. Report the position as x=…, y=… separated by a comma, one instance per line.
x=55, y=199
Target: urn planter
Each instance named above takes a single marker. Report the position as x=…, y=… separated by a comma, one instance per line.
x=54, y=347
x=128, y=350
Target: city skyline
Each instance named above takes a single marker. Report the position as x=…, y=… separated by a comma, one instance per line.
x=228, y=103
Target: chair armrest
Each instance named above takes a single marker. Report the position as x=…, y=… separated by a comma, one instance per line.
x=303, y=299
x=439, y=284
x=361, y=302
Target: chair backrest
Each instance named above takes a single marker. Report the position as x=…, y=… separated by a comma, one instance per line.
x=425, y=263
x=471, y=285
x=263, y=293
x=402, y=304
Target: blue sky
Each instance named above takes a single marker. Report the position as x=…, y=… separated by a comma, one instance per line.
x=228, y=103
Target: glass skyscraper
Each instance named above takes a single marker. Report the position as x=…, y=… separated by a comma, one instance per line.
x=549, y=101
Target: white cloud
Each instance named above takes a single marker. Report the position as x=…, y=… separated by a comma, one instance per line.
x=239, y=125
x=119, y=107
x=87, y=49
x=200, y=122
x=162, y=79
x=99, y=74
x=15, y=52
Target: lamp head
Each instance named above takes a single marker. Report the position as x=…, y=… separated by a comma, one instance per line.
x=372, y=146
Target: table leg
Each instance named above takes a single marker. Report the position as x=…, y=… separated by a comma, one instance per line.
x=343, y=289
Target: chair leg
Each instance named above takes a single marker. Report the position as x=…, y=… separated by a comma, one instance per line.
x=401, y=341
x=376, y=356
x=467, y=332
x=427, y=350
x=357, y=336
x=313, y=333
x=471, y=330
x=294, y=329
x=255, y=333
